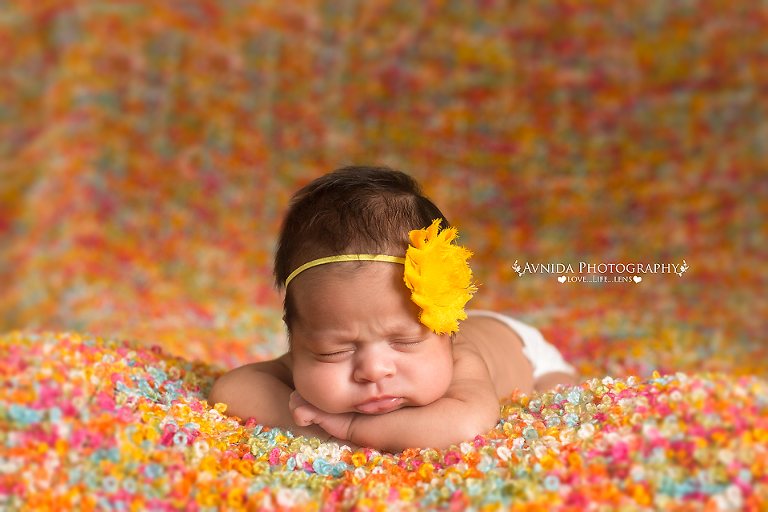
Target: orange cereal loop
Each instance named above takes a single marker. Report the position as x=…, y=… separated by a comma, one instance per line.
x=473, y=473
x=410, y=453
x=425, y=471
x=472, y=458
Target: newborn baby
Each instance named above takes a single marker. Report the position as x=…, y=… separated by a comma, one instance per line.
x=382, y=353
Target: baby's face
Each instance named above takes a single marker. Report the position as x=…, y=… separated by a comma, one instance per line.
x=357, y=343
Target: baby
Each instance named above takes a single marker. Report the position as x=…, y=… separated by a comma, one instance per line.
x=382, y=353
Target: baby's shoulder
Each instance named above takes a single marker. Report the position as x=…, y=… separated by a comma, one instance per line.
x=282, y=368
x=492, y=338
x=246, y=375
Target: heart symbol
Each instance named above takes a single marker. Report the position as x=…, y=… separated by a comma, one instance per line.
x=561, y=279
x=637, y=279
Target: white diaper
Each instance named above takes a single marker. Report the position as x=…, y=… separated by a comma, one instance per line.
x=544, y=357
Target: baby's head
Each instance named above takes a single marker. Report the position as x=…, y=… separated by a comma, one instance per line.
x=356, y=340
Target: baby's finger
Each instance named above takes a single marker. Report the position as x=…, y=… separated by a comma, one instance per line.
x=304, y=415
x=296, y=400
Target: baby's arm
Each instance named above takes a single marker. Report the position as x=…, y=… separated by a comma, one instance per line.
x=469, y=408
x=261, y=391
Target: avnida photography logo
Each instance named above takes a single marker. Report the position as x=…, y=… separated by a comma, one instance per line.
x=600, y=272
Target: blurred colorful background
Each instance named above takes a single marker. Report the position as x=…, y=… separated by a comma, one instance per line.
x=149, y=149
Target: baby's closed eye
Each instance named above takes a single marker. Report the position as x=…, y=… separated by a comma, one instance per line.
x=344, y=354
x=337, y=355
x=404, y=345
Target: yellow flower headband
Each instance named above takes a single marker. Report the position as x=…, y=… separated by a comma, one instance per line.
x=436, y=272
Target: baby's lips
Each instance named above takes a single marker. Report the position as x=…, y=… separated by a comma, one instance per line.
x=379, y=405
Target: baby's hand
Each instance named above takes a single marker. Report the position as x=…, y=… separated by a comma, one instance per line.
x=305, y=414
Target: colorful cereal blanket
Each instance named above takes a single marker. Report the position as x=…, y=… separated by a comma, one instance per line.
x=605, y=162
x=97, y=423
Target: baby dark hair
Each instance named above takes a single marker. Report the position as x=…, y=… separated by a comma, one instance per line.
x=353, y=210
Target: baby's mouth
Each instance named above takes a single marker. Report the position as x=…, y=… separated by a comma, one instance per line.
x=379, y=405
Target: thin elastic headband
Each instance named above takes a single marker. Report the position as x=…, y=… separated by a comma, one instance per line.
x=344, y=257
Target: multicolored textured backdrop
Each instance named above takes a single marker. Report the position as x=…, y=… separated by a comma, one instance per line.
x=148, y=149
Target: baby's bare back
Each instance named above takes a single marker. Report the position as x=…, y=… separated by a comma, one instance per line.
x=502, y=350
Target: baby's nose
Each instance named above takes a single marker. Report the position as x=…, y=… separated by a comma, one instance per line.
x=374, y=367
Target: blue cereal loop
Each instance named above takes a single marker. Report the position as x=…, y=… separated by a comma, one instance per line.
x=256, y=487
x=667, y=486
x=147, y=390
x=110, y=484
x=530, y=433
x=24, y=415
x=269, y=434
x=97, y=456
x=113, y=454
x=157, y=374
x=340, y=468
x=321, y=467
x=91, y=480
x=55, y=414
x=430, y=498
x=551, y=483
x=35, y=416
x=153, y=470
x=486, y=464
x=129, y=484
x=74, y=474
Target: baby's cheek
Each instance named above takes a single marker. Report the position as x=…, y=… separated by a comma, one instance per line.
x=435, y=375
x=321, y=386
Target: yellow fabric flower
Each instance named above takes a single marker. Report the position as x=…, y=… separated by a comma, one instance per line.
x=440, y=280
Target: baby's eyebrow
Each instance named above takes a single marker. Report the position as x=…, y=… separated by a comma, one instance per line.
x=395, y=330
x=331, y=337
x=408, y=331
